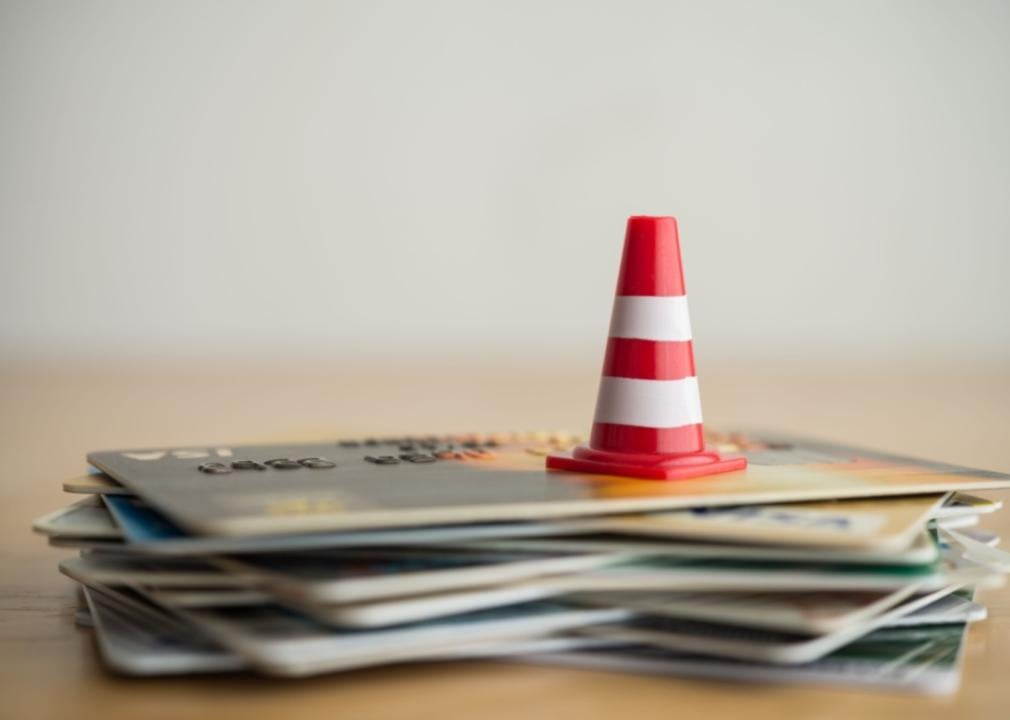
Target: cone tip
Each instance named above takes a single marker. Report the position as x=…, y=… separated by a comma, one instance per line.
x=651, y=264
x=651, y=219
x=653, y=226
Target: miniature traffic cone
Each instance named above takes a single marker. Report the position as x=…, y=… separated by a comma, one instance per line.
x=648, y=411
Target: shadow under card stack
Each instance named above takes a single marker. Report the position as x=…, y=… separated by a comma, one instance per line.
x=655, y=545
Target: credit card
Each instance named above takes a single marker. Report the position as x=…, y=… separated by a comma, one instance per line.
x=765, y=646
x=136, y=648
x=337, y=578
x=148, y=532
x=85, y=519
x=923, y=660
x=403, y=482
x=94, y=483
x=884, y=524
x=279, y=642
x=133, y=647
x=809, y=613
x=922, y=550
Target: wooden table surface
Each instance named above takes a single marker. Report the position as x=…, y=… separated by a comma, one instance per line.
x=51, y=414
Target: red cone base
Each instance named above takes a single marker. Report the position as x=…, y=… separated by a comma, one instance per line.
x=648, y=467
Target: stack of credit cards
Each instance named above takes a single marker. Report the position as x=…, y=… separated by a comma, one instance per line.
x=817, y=564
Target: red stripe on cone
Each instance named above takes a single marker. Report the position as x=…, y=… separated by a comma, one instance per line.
x=651, y=263
x=645, y=440
x=649, y=359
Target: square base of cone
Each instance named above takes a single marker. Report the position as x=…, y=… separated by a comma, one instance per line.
x=680, y=468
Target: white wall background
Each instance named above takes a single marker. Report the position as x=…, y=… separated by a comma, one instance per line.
x=433, y=177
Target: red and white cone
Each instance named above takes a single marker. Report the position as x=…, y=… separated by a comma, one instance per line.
x=648, y=411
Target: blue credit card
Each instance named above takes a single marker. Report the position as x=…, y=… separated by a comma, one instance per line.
x=140, y=523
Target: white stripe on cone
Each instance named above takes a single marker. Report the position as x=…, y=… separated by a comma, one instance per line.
x=650, y=317
x=649, y=403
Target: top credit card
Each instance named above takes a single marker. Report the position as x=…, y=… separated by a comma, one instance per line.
x=286, y=488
